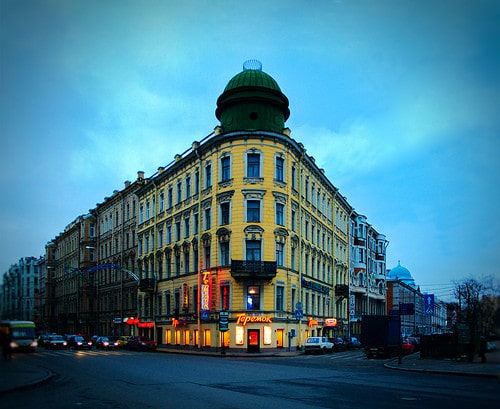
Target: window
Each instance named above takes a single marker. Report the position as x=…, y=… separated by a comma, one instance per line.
x=170, y=197
x=279, y=171
x=148, y=211
x=224, y=213
x=253, y=211
x=141, y=214
x=225, y=168
x=179, y=192
x=196, y=222
x=225, y=292
x=208, y=176
x=197, y=182
x=162, y=202
x=178, y=264
x=279, y=254
x=294, y=221
x=167, y=302
x=253, y=250
x=224, y=253
x=188, y=187
x=177, y=231
x=253, y=297
x=207, y=256
x=186, y=262
x=279, y=214
x=160, y=238
x=208, y=219
x=186, y=227
x=294, y=177
x=169, y=234
x=253, y=165
x=280, y=292
x=169, y=265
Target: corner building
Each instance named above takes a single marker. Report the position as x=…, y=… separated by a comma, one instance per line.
x=242, y=239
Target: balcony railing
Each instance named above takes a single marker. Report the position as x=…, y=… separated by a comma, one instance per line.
x=261, y=270
x=147, y=284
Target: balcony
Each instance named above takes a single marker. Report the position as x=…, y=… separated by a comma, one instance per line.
x=248, y=269
x=147, y=284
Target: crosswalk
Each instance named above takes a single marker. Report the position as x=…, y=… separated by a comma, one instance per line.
x=339, y=356
x=80, y=353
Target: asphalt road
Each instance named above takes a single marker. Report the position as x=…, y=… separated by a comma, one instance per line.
x=127, y=379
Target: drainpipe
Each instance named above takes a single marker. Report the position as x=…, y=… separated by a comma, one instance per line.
x=195, y=147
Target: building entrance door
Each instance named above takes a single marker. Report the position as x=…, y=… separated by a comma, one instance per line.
x=279, y=338
x=253, y=341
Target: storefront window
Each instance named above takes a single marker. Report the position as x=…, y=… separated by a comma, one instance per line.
x=253, y=297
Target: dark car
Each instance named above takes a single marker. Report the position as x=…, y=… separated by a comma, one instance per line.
x=79, y=342
x=416, y=343
x=141, y=343
x=56, y=342
x=339, y=344
x=106, y=343
x=352, y=343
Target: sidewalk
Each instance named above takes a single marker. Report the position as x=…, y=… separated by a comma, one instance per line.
x=15, y=375
x=413, y=362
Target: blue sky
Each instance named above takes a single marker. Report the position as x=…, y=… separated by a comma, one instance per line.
x=397, y=100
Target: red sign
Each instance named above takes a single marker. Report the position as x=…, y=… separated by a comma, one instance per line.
x=206, y=281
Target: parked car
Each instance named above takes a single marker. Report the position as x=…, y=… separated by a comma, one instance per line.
x=122, y=341
x=339, y=344
x=407, y=346
x=79, y=342
x=106, y=343
x=416, y=343
x=141, y=343
x=318, y=345
x=352, y=343
x=56, y=342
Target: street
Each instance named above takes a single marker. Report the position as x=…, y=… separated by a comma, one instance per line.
x=126, y=379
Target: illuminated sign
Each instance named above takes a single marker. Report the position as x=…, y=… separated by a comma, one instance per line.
x=139, y=323
x=206, y=276
x=175, y=322
x=311, y=322
x=331, y=322
x=185, y=295
x=243, y=319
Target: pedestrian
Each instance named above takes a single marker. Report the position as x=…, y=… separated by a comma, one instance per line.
x=5, y=343
x=482, y=349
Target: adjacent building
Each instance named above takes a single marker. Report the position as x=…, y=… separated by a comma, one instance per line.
x=20, y=290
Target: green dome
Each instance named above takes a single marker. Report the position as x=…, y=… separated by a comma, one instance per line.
x=252, y=78
x=252, y=100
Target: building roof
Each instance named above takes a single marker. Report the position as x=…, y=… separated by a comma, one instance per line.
x=252, y=76
x=401, y=273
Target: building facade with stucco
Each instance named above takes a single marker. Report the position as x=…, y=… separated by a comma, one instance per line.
x=242, y=239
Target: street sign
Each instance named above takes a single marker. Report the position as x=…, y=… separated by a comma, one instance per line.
x=223, y=321
x=299, y=314
x=429, y=304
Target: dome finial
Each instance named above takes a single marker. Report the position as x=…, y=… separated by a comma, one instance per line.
x=252, y=65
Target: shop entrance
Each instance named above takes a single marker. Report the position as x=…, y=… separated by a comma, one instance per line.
x=279, y=338
x=253, y=340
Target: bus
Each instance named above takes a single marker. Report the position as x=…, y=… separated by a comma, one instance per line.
x=19, y=334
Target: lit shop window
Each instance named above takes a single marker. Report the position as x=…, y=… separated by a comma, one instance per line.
x=268, y=335
x=239, y=335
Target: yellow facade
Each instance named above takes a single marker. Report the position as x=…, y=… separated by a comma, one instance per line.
x=246, y=218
